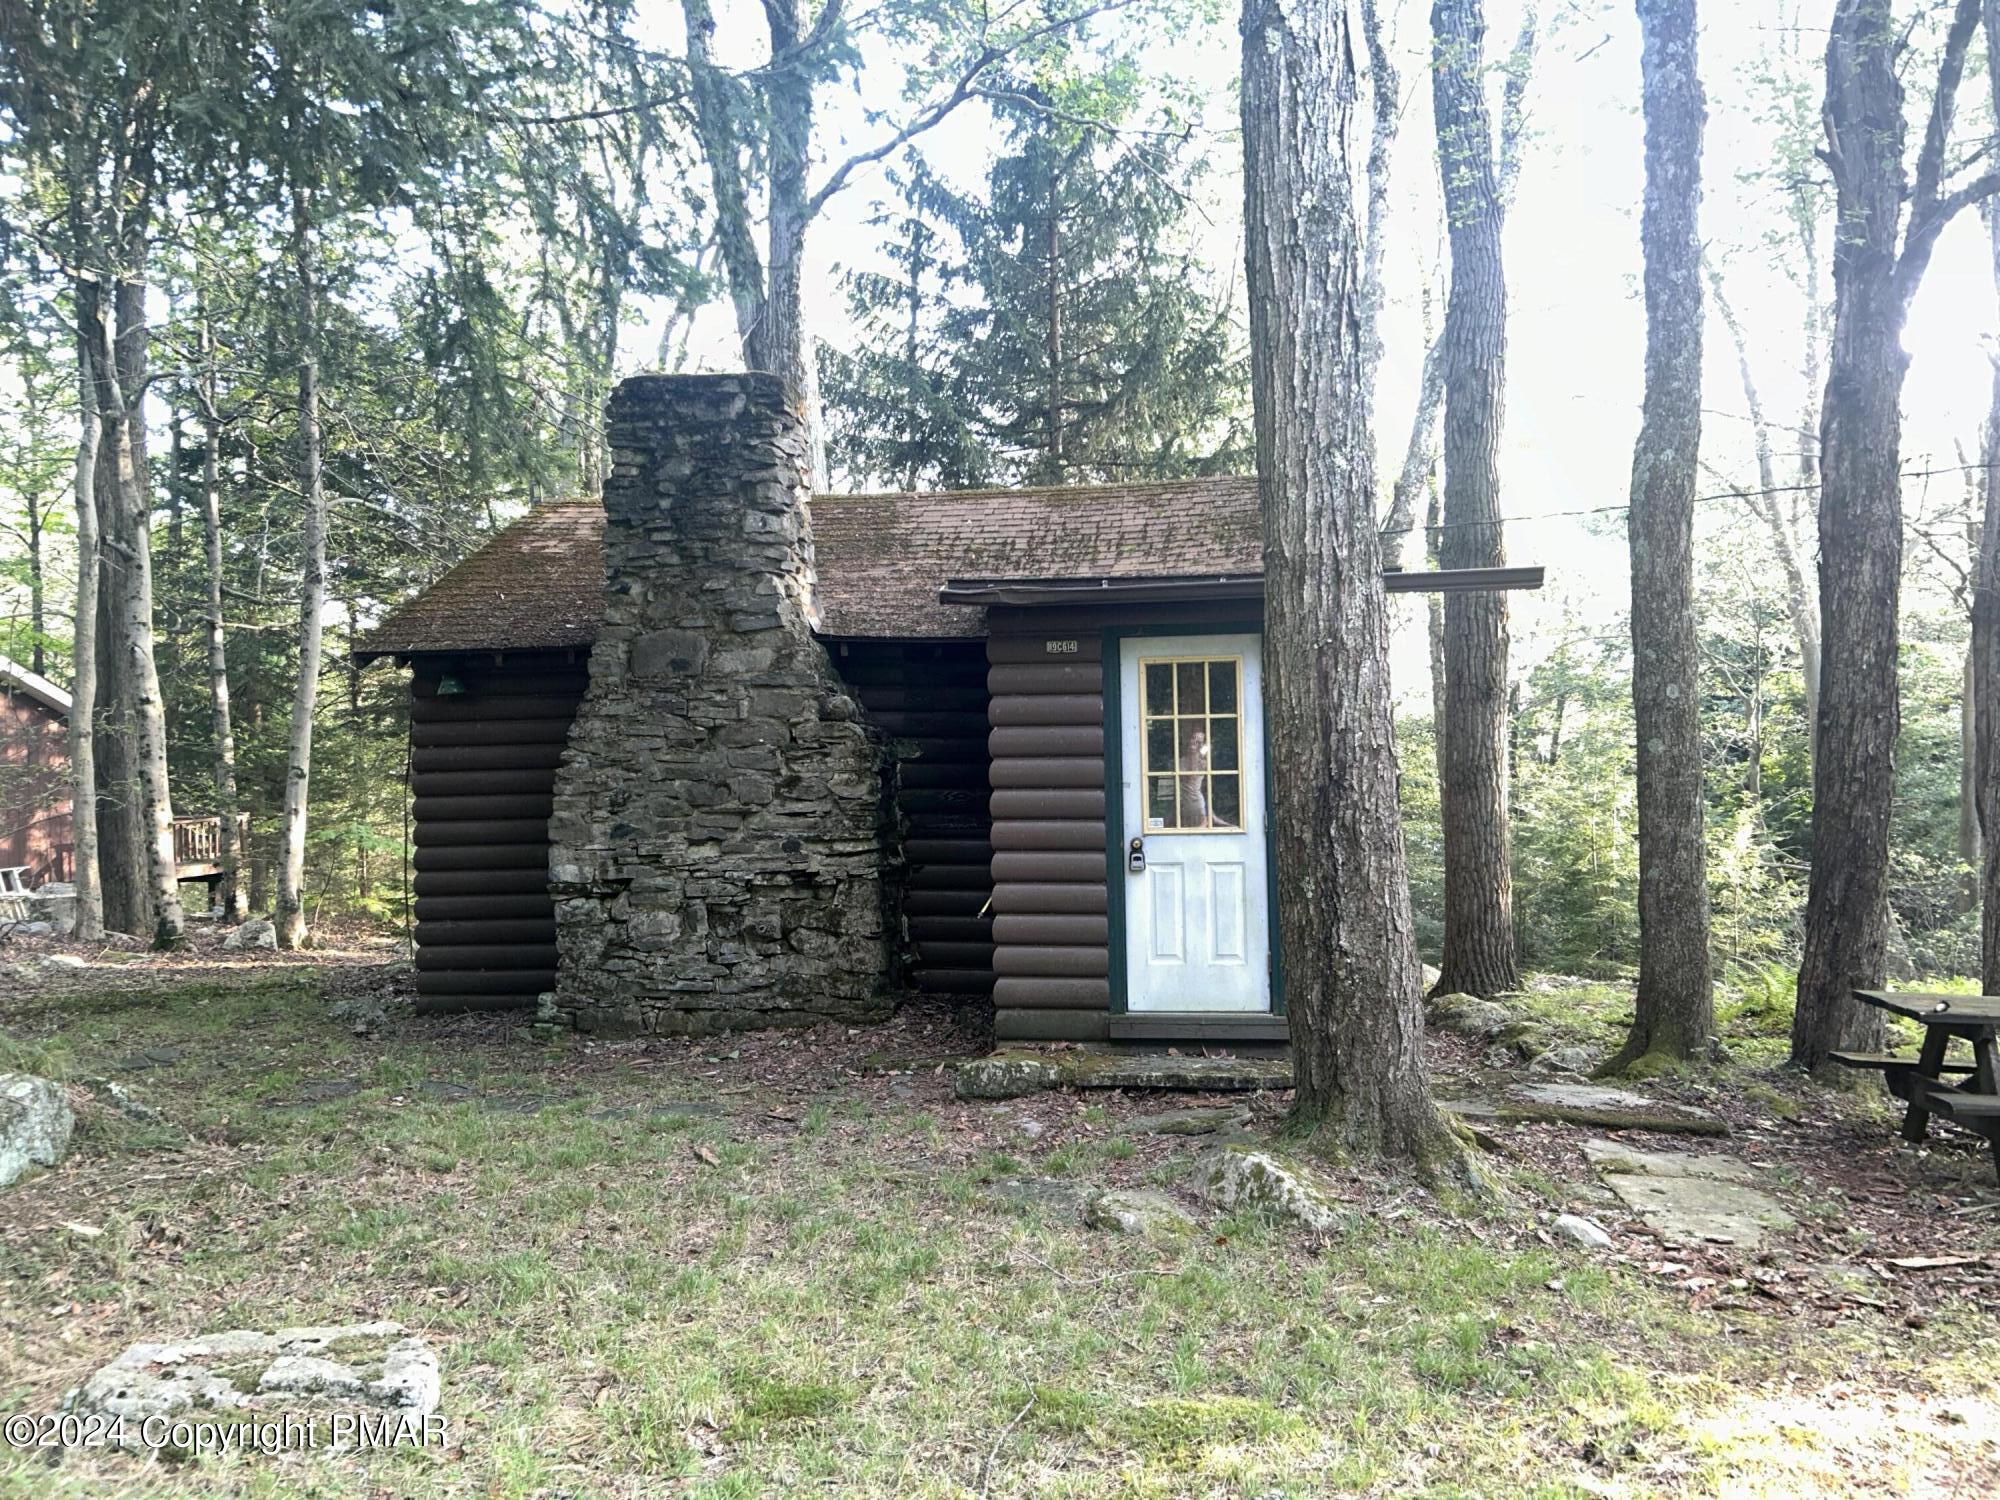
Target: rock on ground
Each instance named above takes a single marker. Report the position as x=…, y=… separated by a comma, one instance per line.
x=355, y=1366
x=1138, y=1211
x=258, y=932
x=1002, y=1076
x=35, y=1125
x=1586, y=1232
x=1565, y=1060
x=1234, y=1177
x=1468, y=1015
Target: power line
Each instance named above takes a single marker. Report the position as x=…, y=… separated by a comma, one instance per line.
x=1606, y=510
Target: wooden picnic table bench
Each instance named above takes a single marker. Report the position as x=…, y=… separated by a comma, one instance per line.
x=1920, y=1081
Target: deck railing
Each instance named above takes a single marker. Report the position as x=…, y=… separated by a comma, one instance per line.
x=198, y=841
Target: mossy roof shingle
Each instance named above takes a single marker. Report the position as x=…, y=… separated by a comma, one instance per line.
x=880, y=560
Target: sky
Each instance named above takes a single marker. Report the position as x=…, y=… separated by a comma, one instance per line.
x=1576, y=327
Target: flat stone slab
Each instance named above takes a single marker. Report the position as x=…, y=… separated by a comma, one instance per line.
x=1231, y=1075
x=1549, y=1102
x=1190, y=1122
x=1690, y=1198
x=1014, y=1072
x=376, y=1368
x=1616, y=1156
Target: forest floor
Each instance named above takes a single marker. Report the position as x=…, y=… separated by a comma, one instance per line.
x=784, y=1264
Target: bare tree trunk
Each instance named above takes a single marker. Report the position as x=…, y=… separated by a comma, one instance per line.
x=231, y=885
x=1478, y=956
x=1877, y=267
x=1054, y=337
x=1674, y=1016
x=134, y=604
x=290, y=916
x=1349, y=950
x=1384, y=116
x=121, y=840
x=91, y=338
x=1419, y=459
x=1985, y=691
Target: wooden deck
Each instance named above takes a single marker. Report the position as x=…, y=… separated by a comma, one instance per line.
x=198, y=846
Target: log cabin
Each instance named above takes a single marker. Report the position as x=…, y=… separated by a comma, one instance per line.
x=717, y=752
x=35, y=827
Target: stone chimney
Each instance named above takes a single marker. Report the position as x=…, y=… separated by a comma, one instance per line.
x=717, y=838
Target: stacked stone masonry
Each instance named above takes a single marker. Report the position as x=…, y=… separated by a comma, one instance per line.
x=717, y=835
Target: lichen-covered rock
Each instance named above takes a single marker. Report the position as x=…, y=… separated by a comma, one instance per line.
x=357, y=1366
x=1138, y=1211
x=1235, y=1177
x=1468, y=1016
x=1572, y=1059
x=1004, y=1076
x=35, y=1125
x=716, y=844
x=255, y=933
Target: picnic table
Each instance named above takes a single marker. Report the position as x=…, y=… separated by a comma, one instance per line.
x=1922, y=1081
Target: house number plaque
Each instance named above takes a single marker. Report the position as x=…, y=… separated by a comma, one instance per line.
x=1062, y=648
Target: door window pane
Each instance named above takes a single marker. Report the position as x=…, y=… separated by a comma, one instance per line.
x=1192, y=689
x=1222, y=687
x=1222, y=747
x=1226, y=803
x=1191, y=751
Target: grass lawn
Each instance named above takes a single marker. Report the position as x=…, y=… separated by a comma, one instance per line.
x=779, y=1265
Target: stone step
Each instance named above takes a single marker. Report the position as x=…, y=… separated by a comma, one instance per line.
x=1015, y=1071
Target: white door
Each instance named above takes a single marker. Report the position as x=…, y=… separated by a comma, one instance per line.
x=1197, y=923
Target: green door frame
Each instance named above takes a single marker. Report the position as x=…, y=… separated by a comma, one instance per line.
x=1114, y=803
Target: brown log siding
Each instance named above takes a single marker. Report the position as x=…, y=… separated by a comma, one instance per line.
x=35, y=826
x=1051, y=947
x=929, y=700
x=482, y=779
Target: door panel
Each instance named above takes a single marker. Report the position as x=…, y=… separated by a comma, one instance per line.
x=1192, y=750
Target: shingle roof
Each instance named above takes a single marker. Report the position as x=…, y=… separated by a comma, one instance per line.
x=880, y=560
x=17, y=678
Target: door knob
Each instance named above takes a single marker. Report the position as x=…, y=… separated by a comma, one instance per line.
x=1135, y=857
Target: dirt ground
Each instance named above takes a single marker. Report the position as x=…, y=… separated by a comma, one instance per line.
x=794, y=1262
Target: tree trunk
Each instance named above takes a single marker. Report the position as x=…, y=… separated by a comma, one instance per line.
x=134, y=606
x=1347, y=943
x=1052, y=250
x=1478, y=955
x=121, y=841
x=38, y=623
x=1419, y=459
x=230, y=888
x=90, y=340
x=1986, y=615
x=1675, y=1015
x=1968, y=783
x=1385, y=114
x=1861, y=545
x=290, y=917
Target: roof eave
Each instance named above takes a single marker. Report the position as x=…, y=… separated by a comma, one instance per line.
x=1035, y=592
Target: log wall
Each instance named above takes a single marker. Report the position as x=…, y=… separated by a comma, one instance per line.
x=482, y=778
x=1051, y=956
x=929, y=700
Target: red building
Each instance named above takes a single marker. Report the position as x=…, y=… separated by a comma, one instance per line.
x=35, y=827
